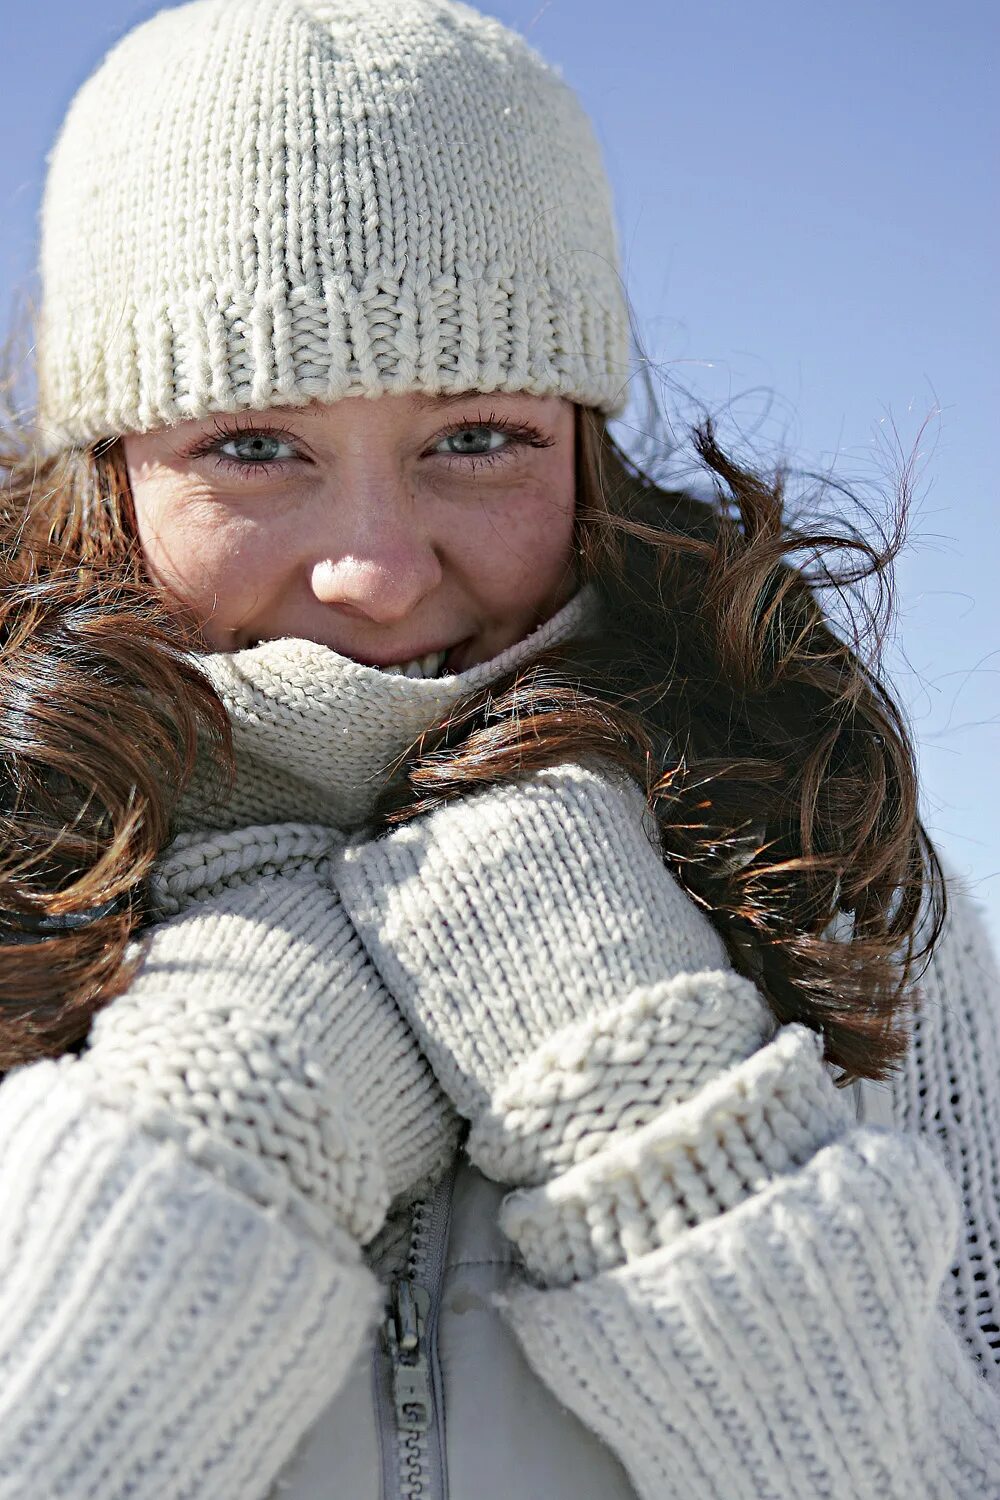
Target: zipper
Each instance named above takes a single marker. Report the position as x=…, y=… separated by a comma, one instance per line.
x=408, y=1387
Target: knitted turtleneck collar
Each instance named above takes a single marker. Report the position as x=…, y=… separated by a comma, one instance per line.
x=316, y=734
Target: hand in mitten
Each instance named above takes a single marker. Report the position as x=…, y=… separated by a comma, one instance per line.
x=559, y=980
x=258, y=1033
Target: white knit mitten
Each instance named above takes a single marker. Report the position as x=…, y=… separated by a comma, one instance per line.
x=258, y=1034
x=560, y=981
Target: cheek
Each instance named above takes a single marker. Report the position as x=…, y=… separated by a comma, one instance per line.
x=213, y=561
x=524, y=550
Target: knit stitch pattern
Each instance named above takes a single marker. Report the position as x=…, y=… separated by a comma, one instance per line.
x=256, y=1032
x=949, y=1092
x=318, y=736
x=599, y=1079
x=789, y=1348
x=164, y=1337
x=818, y=1321
x=506, y=923
x=347, y=198
x=741, y=1131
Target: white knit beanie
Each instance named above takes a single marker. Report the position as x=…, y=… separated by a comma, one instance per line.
x=258, y=203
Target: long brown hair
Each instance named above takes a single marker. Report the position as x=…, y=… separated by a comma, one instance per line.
x=101, y=715
x=778, y=765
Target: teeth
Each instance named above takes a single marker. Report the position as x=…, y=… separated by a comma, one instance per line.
x=423, y=666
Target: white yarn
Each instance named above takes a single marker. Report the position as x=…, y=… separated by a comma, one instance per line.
x=765, y=1325
x=257, y=1032
x=563, y=986
x=949, y=1092
x=608, y=1074
x=196, y=866
x=260, y=203
x=281, y=1061
x=317, y=735
x=162, y=1334
x=743, y=1129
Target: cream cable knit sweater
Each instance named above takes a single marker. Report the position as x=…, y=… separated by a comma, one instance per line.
x=179, y=1302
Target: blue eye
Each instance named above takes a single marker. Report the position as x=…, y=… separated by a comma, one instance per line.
x=469, y=440
x=257, y=448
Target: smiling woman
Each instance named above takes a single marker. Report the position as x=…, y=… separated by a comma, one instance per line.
x=448, y=879
x=388, y=530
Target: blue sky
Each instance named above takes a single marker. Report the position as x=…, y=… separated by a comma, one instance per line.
x=807, y=201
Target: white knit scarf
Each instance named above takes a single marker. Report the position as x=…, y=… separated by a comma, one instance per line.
x=316, y=735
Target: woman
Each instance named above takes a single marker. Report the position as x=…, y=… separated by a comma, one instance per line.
x=450, y=874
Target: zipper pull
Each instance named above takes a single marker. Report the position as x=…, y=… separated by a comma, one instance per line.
x=402, y=1334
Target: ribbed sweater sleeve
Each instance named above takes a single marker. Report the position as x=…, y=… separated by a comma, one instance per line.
x=750, y=1297
x=182, y=1289
x=162, y=1335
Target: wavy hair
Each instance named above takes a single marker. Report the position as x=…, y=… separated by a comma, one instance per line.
x=101, y=716
x=776, y=761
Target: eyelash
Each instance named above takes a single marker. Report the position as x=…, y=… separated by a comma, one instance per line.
x=522, y=435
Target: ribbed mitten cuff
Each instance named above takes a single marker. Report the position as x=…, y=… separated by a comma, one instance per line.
x=761, y=1119
x=506, y=919
x=246, y=1104
x=609, y=1074
x=257, y=1032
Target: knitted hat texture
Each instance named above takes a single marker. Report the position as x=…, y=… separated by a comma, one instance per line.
x=258, y=203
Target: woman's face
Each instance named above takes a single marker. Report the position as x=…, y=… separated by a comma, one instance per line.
x=385, y=528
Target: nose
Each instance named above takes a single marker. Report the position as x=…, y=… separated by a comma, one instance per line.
x=381, y=570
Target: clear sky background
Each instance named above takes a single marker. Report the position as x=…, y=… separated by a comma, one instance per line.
x=807, y=201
